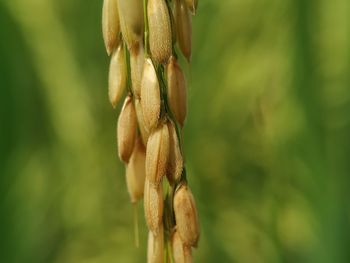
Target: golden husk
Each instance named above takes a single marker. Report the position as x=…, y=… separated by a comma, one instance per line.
x=175, y=162
x=157, y=154
x=144, y=133
x=181, y=253
x=135, y=172
x=150, y=95
x=110, y=25
x=155, y=247
x=160, y=36
x=126, y=130
x=137, y=60
x=153, y=206
x=184, y=28
x=131, y=21
x=177, y=91
x=186, y=216
x=117, y=76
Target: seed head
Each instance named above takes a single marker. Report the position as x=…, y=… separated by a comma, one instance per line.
x=153, y=206
x=181, y=253
x=177, y=91
x=137, y=61
x=159, y=30
x=186, y=216
x=192, y=6
x=150, y=95
x=117, y=76
x=184, y=28
x=131, y=21
x=110, y=25
x=135, y=172
x=157, y=154
x=126, y=131
x=144, y=133
x=155, y=247
x=175, y=163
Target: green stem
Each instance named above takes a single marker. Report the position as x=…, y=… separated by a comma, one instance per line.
x=146, y=33
x=136, y=226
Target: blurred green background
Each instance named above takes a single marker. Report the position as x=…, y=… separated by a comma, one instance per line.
x=267, y=139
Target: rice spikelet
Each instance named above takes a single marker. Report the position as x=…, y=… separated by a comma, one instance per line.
x=131, y=21
x=150, y=95
x=175, y=163
x=155, y=247
x=186, y=216
x=153, y=206
x=135, y=172
x=157, y=154
x=177, y=91
x=181, y=253
x=110, y=25
x=117, y=76
x=126, y=130
x=160, y=39
x=184, y=28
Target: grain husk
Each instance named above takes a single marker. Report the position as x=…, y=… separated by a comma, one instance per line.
x=153, y=206
x=186, y=216
x=150, y=95
x=135, y=172
x=117, y=76
x=177, y=91
x=181, y=253
x=155, y=247
x=110, y=25
x=131, y=21
x=157, y=154
x=126, y=130
x=184, y=28
x=160, y=35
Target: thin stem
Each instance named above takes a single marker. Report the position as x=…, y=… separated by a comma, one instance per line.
x=170, y=252
x=136, y=225
x=145, y=19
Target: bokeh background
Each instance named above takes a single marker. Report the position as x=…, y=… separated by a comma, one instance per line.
x=267, y=137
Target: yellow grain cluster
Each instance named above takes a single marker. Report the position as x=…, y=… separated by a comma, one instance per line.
x=142, y=37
